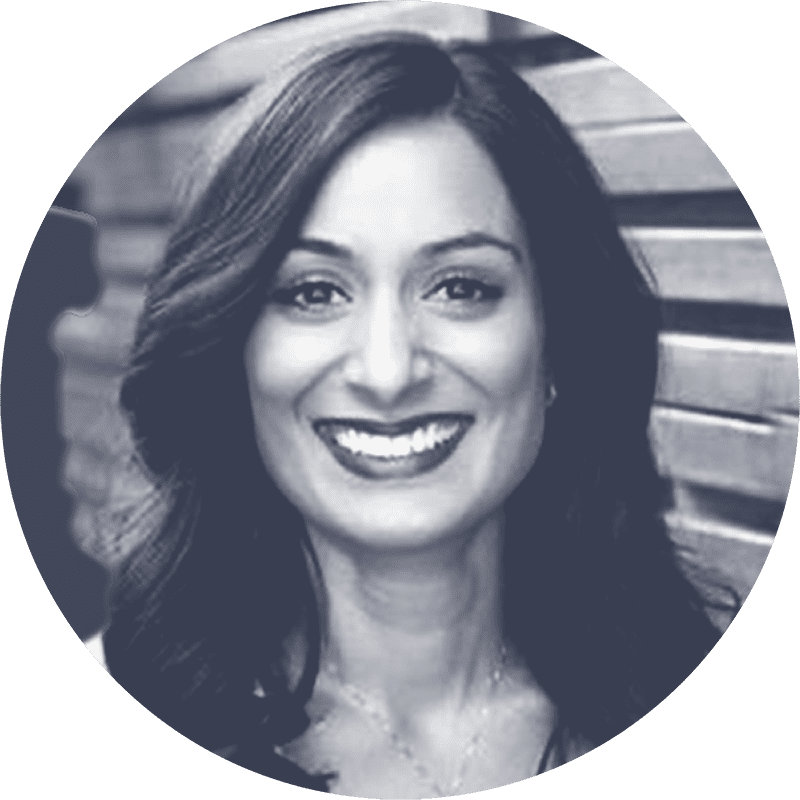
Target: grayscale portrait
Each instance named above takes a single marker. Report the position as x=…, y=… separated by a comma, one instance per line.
x=436, y=410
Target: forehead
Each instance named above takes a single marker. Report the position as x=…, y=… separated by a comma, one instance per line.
x=414, y=182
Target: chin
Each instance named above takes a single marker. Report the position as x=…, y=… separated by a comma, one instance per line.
x=404, y=518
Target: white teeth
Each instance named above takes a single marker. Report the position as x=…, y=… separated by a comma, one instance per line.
x=423, y=438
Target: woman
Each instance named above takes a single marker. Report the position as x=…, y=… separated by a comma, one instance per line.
x=392, y=384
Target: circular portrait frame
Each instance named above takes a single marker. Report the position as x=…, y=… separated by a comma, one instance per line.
x=727, y=729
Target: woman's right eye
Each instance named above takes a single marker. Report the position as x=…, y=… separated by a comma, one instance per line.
x=311, y=296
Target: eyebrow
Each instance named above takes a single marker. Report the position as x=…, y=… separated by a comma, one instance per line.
x=467, y=241
x=322, y=247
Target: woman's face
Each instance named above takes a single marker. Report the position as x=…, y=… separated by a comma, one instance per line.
x=397, y=373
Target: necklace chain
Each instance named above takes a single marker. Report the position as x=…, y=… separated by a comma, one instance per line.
x=361, y=700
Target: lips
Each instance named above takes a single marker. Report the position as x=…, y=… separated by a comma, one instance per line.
x=378, y=450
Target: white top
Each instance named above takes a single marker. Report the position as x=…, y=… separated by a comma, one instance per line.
x=95, y=647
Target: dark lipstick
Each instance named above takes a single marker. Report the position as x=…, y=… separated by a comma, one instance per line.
x=405, y=448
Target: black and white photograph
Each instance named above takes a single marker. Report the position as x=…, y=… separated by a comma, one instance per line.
x=400, y=400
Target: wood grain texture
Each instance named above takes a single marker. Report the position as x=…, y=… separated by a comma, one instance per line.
x=129, y=253
x=141, y=171
x=103, y=336
x=751, y=458
x=653, y=157
x=712, y=265
x=731, y=375
x=732, y=554
x=595, y=91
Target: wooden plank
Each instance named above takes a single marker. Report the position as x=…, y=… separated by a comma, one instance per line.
x=237, y=64
x=653, y=157
x=130, y=253
x=89, y=411
x=739, y=376
x=711, y=265
x=728, y=210
x=726, y=508
x=735, y=555
x=139, y=172
x=102, y=337
x=751, y=458
x=121, y=300
x=94, y=423
x=595, y=91
x=120, y=174
x=100, y=384
x=92, y=337
x=503, y=28
x=87, y=473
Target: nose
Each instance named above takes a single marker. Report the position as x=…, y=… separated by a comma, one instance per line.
x=388, y=363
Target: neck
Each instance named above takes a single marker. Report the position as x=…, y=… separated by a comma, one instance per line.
x=414, y=629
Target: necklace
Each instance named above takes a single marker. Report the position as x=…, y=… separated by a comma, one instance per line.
x=362, y=701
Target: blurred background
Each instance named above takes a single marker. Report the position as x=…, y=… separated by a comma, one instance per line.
x=724, y=426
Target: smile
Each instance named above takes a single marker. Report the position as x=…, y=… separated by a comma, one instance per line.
x=378, y=450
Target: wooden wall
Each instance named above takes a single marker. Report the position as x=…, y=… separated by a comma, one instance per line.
x=724, y=426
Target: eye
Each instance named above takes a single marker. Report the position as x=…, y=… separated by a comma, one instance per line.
x=461, y=289
x=311, y=296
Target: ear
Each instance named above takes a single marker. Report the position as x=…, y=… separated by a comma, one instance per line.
x=552, y=392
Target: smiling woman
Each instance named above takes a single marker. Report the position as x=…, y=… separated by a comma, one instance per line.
x=392, y=384
x=405, y=337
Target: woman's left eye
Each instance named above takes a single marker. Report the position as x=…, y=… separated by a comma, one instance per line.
x=311, y=296
x=464, y=290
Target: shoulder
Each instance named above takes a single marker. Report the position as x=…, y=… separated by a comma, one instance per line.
x=95, y=647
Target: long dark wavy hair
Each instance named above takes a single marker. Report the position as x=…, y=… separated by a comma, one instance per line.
x=594, y=600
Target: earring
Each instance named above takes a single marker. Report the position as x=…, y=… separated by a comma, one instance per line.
x=552, y=394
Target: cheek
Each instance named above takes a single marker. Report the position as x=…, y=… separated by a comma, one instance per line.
x=503, y=358
x=283, y=361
